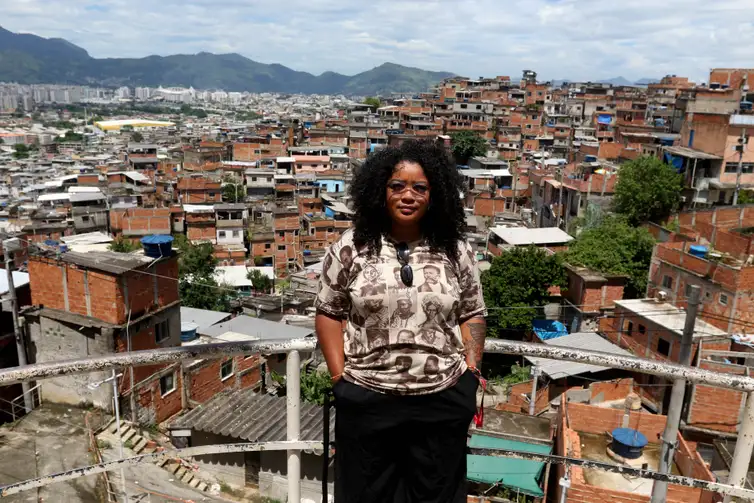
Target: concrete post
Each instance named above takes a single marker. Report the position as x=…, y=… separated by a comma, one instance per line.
x=670, y=435
x=293, y=416
x=739, y=467
x=8, y=246
x=533, y=401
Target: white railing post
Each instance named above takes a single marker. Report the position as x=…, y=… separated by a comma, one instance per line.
x=739, y=467
x=293, y=416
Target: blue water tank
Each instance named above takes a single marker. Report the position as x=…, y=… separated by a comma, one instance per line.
x=188, y=331
x=157, y=245
x=628, y=443
x=698, y=251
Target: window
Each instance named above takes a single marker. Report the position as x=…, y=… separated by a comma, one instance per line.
x=221, y=234
x=723, y=299
x=295, y=232
x=167, y=384
x=236, y=234
x=267, y=246
x=687, y=291
x=667, y=282
x=629, y=327
x=281, y=247
x=463, y=105
x=528, y=126
x=533, y=117
x=211, y=194
x=329, y=229
x=746, y=168
x=281, y=233
x=528, y=93
x=479, y=107
x=663, y=347
x=85, y=218
x=642, y=329
x=253, y=178
x=161, y=331
x=226, y=369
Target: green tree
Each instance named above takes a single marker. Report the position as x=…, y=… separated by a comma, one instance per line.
x=21, y=151
x=615, y=247
x=467, y=144
x=197, y=285
x=518, y=283
x=137, y=137
x=260, y=282
x=647, y=190
x=746, y=197
x=314, y=386
x=123, y=245
x=233, y=192
x=373, y=101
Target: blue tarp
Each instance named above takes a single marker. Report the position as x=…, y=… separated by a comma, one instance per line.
x=674, y=160
x=604, y=119
x=548, y=329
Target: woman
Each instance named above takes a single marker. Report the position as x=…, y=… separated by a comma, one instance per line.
x=404, y=397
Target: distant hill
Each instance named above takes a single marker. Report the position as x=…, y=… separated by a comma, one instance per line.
x=29, y=59
x=645, y=81
x=617, y=81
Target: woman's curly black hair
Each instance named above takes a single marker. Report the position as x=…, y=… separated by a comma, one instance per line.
x=444, y=223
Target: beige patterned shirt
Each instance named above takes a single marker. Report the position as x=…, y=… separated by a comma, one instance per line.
x=399, y=339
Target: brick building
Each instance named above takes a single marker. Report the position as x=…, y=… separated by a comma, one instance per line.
x=199, y=189
x=651, y=328
x=721, y=265
x=99, y=303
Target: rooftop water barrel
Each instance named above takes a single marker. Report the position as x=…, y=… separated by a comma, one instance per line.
x=628, y=443
x=188, y=331
x=157, y=245
x=698, y=251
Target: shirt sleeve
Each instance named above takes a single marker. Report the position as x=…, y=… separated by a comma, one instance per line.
x=471, y=301
x=332, y=295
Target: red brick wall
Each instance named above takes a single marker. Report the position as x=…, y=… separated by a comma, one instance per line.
x=615, y=390
x=204, y=381
x=488, y=207
x=202, y=233
x=716, y=408
x=148, y=396
x=517, y=403
x=598, y=420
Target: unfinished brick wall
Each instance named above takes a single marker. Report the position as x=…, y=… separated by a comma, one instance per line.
x=611, y=390
x=155, y=408
x=204, y=380
x=589, y=419
x=713, y=408
x=517, y=403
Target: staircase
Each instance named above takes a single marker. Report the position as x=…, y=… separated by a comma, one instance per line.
x=133, y=440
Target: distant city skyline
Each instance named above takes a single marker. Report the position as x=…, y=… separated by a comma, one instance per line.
x=571, y=39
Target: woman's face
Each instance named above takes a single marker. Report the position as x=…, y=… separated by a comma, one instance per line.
x=407, y=194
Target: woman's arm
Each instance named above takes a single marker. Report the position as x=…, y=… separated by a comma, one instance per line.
x=330, y=335
x=473, y=333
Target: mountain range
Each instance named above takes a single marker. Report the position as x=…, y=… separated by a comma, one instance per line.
x=30, y=59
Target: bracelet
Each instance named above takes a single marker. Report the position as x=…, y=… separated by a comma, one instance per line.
x=336, y=376
x=476, y=372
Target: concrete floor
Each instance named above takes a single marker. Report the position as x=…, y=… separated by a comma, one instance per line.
x=594, y=447
x=54, y=438
x=51, y=439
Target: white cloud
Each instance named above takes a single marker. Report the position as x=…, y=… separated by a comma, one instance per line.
x=576, y=39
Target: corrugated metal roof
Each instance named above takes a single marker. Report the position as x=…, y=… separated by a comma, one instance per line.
x=257, y=327
x=202, y=317
x=690, y=153
x=253, y=417
x=524, y=236
x=557, y=369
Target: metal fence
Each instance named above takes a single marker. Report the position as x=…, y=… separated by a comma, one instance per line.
x=293, y=445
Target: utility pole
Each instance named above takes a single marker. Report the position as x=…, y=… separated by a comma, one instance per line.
x=670, y=435
x=533, y=401
x=740, y=148
x=10, y=246
x=560, y=196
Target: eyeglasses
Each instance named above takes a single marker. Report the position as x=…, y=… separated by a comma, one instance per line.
x=419, y=189
x=407, y=274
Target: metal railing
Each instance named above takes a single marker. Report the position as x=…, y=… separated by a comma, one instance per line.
x=293, y=445
x=17, y=407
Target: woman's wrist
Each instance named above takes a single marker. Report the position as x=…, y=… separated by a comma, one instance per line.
x=336, y=377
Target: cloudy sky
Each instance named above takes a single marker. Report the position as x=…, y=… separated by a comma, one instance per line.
x=574, y=39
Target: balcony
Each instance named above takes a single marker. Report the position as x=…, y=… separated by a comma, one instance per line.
x=294, y=446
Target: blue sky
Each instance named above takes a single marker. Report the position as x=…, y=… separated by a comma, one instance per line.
x=575, y=39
